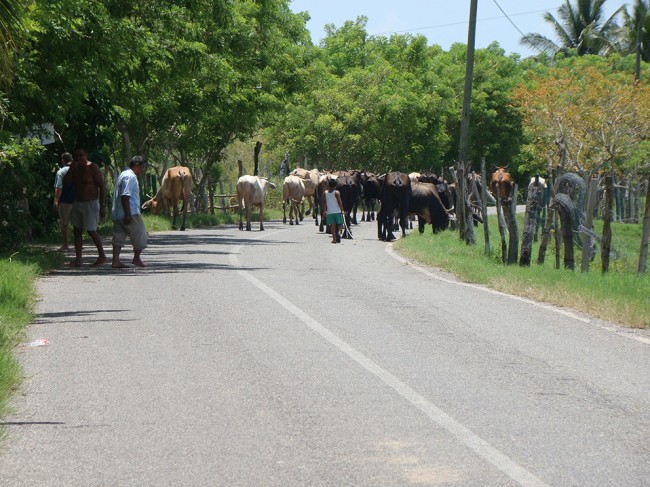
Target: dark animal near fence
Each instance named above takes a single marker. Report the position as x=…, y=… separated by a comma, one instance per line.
x=426, y=204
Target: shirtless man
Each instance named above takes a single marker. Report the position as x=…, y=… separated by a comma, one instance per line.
x=89, y=205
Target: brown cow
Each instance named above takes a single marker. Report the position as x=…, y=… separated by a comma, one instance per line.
x=175, y=186
x=501, y=184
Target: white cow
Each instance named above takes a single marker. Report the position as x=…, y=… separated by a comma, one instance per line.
x=251, y=191
x=293, y=190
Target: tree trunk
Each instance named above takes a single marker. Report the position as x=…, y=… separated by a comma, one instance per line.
x=645, y=236
x=530, y=221
x=587, y=231
x=606, y=241
x=256, y=158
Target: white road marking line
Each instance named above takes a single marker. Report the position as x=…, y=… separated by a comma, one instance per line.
x=399, y=258
x=481, y=447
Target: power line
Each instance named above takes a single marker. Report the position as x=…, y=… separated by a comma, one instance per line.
x=464, y=22
x=509, y=19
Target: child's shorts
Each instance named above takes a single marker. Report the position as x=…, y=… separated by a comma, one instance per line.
x=334, y=218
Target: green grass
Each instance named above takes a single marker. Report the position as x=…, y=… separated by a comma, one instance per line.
x=18, y=273
x=619, y=296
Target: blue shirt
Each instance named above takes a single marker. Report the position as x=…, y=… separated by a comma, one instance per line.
x=126, y=185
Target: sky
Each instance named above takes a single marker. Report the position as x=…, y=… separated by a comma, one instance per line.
x=442, y=22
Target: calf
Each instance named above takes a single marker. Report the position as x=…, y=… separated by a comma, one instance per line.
x=251, y=191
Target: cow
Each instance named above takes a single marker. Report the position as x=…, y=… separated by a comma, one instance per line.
x=371, y=193
x=395, y=195
x=175, y=186
x=251, y=191
x=426, y=204
x=310, y=179
x=501, y=184
x=293, y=192
x=358, y=186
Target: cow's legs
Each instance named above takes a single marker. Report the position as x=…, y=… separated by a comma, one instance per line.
x=261, y=218
x=184, y=210
x=284, y=211
x=248, y=218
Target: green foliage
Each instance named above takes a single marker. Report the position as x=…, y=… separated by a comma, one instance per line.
x=25, y=197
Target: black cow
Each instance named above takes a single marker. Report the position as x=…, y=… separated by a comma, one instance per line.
x=395, y=196
x=371, y=193
x=358, y=180
x=425, y=202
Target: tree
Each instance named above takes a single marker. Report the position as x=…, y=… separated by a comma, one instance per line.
x=588, y=113
x=11, y=12
x=580, y=26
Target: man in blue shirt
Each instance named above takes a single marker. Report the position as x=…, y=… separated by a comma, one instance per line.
x=126, y=215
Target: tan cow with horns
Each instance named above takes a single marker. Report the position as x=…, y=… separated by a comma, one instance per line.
x=175, y=186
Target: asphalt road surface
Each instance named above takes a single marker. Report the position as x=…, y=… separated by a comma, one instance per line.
x=276, y=358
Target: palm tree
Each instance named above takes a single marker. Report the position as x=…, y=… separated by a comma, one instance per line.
x=579, y=26
x=635, y=31
x=10, y=24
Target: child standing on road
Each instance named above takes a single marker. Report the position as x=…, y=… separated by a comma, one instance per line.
x=334, y=210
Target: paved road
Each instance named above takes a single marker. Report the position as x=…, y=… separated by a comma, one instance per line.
x=278, y=359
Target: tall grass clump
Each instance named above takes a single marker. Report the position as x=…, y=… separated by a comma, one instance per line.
x=619, y=296
x=17, y=298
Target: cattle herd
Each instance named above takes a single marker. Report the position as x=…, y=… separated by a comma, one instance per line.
x=397, y=196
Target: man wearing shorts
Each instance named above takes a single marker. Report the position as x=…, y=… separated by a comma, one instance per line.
x=89, y=204
x=127, y=217
x=63, y=198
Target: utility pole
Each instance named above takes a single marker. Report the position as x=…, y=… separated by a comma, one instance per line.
x=464, y=123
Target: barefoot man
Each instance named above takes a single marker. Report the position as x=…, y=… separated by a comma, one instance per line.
x=89, y=204
x=127, y=218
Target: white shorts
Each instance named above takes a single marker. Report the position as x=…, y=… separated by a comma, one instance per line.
x=135, y=230
x=85, y=215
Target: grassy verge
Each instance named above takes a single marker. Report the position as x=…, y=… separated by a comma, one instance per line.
x=620, y=296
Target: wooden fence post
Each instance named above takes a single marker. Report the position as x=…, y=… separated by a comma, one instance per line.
x=502, y=231
x=645, y=236
x=587, y=227
x=530, y=221
x=606, y=241
x=486, y=231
